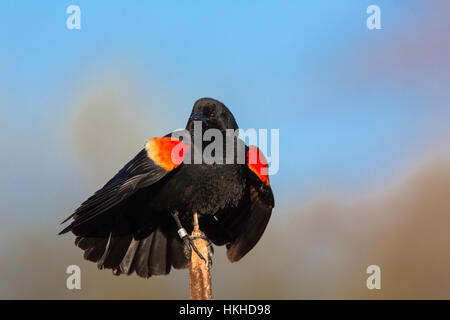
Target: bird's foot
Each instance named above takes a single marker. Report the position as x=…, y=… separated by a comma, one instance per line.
x=210, y=248
x=188, y=240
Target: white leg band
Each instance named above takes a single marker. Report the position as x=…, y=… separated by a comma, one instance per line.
x=182, y=233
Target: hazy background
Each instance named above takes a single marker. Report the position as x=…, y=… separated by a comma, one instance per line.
x=364, y=137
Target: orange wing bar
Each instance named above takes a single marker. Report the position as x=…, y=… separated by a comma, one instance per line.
x=258, y=164
x=166, y=152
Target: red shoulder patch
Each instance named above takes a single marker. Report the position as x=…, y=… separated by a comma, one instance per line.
x=258, y=164
x=166, y=152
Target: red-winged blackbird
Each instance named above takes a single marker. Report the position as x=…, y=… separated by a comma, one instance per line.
x=135, y=222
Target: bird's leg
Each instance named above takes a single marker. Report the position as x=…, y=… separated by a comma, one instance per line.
x=198, y=234
x=185, y=236
x=210, y=246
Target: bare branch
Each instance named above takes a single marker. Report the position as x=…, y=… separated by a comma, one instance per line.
x=199, y=270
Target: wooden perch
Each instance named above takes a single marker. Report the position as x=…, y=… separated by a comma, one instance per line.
x=199, y=270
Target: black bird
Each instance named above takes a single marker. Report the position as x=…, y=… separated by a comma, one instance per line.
x=141, y=219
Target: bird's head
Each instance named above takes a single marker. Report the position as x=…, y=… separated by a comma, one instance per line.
x=212, y=114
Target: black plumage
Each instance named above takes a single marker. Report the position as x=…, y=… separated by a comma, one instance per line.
x=127, y=225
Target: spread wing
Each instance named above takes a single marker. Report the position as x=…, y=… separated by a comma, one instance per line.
x=114, y=226
x=147, y=168
x=261, y=203
x=256, y=222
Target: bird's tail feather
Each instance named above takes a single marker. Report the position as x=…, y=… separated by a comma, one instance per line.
x=152, y=255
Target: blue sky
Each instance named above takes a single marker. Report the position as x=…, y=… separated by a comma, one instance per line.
x=309, y=68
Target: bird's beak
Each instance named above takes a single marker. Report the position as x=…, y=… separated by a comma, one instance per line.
x=197, y=116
